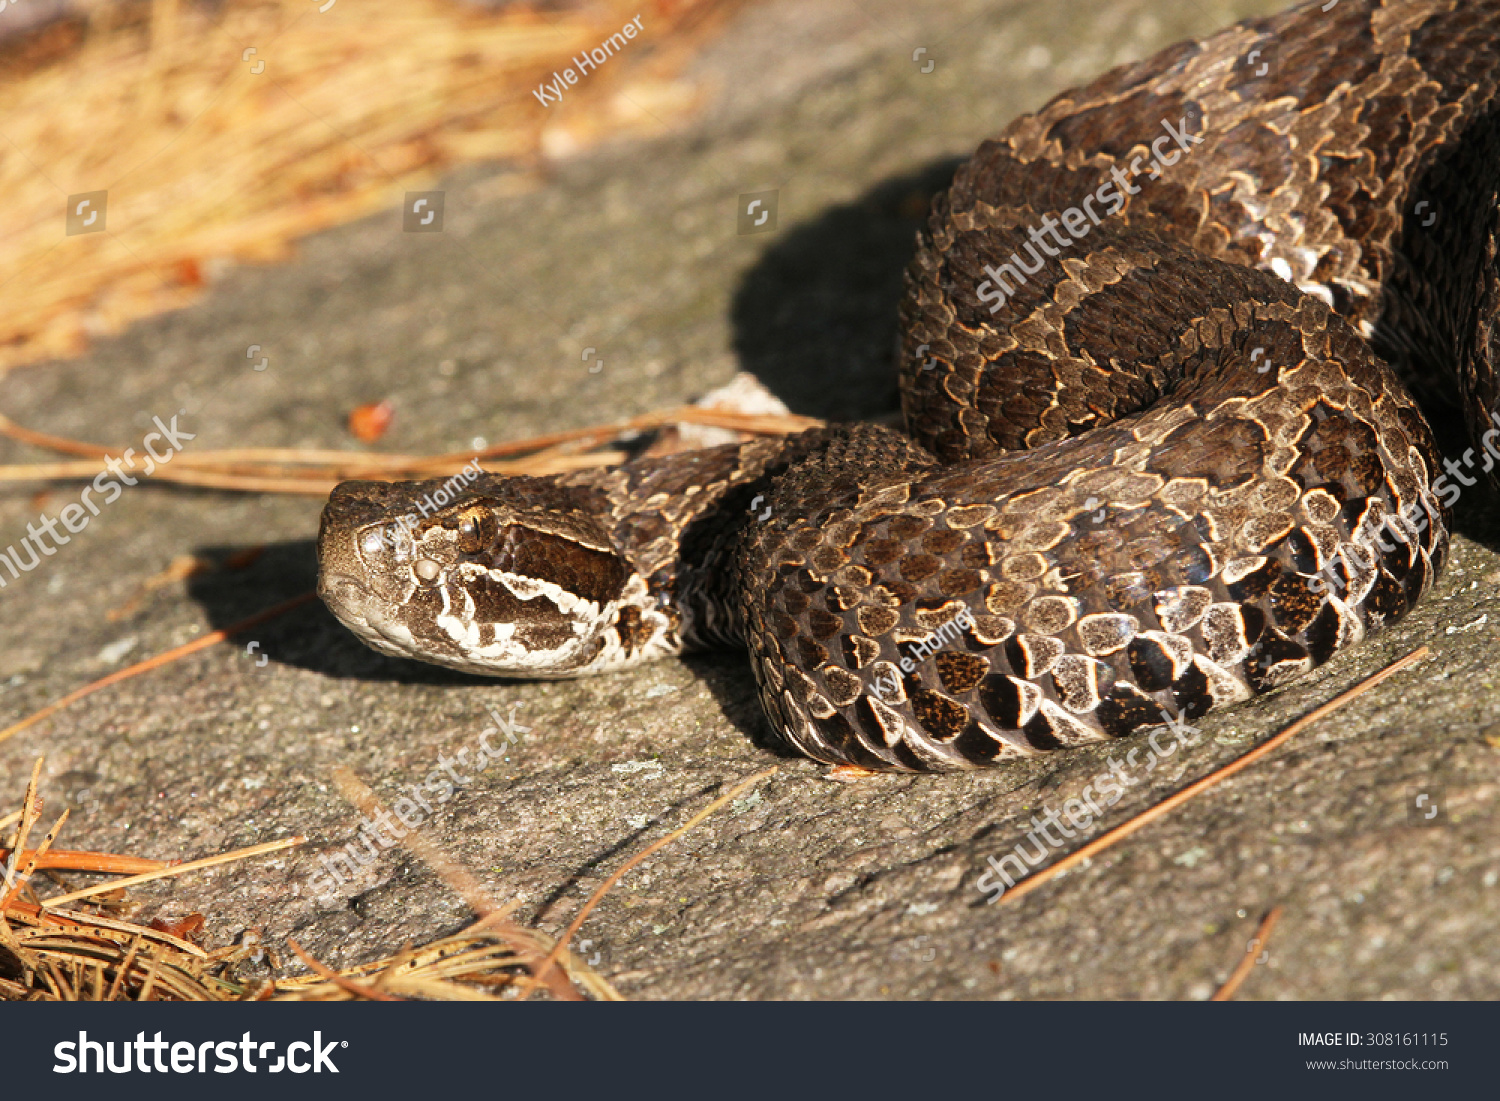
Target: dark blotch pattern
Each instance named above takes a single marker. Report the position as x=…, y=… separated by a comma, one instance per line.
x=942, y=718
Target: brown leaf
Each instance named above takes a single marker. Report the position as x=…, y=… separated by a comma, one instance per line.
x=188, y=272
x=369, y=422
x=182, y=928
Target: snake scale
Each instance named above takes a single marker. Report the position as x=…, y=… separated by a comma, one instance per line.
x=1158, y=457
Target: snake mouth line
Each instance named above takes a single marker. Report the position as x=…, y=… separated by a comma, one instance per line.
x=355, y=606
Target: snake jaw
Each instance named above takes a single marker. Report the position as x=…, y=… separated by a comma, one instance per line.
x=355, y=607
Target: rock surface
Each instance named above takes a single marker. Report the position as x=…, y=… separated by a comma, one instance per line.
x=807, y=888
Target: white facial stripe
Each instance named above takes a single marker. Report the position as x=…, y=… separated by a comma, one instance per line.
x=564, y=600
x=527, y=588
x=584, y=617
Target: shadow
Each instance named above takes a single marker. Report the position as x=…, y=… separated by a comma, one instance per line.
x=1476, y=513
x=815, y=317
x=727, y=676
x=308, y=637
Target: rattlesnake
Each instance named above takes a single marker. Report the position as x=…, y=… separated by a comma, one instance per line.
x=1157, y=456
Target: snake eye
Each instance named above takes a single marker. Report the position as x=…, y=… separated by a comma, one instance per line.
x=476, y=529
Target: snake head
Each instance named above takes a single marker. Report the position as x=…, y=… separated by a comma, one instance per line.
x=508, y=577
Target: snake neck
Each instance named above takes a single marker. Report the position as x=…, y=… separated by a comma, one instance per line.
x=687, y=522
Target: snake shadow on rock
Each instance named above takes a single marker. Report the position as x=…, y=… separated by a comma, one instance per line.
x=1476, y=514
x=814, y=318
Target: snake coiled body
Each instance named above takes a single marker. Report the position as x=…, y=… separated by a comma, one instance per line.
x=1157, y=458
